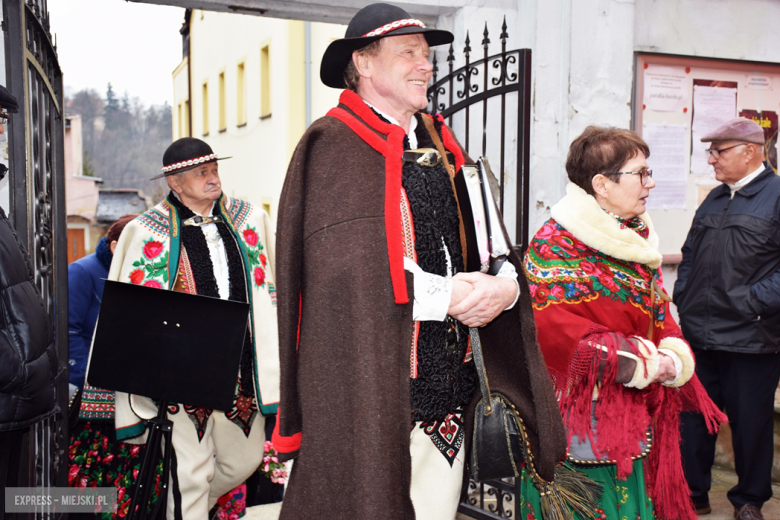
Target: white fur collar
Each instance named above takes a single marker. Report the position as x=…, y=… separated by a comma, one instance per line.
x=581, y=215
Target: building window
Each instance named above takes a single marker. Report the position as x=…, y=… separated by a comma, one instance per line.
x=265, y=82
x=186, y=130
x=266, y=202
x=179, y=125
x=240, y=96
x=205, y=109
x=222, y=111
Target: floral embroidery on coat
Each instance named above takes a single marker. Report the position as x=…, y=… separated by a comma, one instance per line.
x=254, y=252
x=562, y=269
x=152, y=266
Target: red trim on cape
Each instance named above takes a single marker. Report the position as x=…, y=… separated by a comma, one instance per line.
x=285, y=445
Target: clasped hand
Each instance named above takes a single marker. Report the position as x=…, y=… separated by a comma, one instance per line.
x=477, y=298
x=666, y=369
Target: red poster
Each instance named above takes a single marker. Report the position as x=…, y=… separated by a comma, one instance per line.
x=768, y=121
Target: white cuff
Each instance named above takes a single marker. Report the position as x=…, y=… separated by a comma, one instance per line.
x=683, y=352
x=508, y=271
x=678, y=366
x=649, y=353
x=432, y=293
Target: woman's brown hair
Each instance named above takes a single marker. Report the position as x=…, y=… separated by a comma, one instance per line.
x=116, y=228
x=602, y=150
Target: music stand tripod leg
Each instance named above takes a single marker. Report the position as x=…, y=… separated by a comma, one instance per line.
x=162, y=501
x=160, y=428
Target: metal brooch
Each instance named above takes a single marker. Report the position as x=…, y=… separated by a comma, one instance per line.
x=431, y=157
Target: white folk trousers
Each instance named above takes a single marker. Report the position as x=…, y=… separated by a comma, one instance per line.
x=436, y=486
x=206, y=470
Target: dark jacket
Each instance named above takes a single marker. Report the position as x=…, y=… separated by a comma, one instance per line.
x=28, y=361
x=728, y=284
x=86, y=279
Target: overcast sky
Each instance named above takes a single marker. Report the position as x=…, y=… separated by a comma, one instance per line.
x=134, y=46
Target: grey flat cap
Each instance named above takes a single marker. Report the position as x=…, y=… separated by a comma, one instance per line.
x=8, y=102
x=737, y=129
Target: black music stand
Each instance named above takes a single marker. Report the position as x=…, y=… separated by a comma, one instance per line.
x=171, y=347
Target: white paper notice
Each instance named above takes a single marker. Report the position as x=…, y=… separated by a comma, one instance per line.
x=667, y=160
x=758, y=83
x=665, y=88
x=712, y=106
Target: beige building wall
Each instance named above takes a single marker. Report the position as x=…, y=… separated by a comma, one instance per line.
x=81, y=193
x=181, y=97
x=248, y=96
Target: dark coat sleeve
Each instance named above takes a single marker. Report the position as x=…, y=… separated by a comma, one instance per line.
x=289, y=274
x=80, y=291
x=684, y=269
x=765, y=294
x=28, y=361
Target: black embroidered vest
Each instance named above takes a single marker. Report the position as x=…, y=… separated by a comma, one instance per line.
x=444, y=383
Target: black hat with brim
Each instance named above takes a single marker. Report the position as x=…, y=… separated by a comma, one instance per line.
x=8, y=102
x=370, y=24
x=185, y=154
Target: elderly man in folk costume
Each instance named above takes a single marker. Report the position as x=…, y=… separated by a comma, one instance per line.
x=199, y=241
x=378, y=385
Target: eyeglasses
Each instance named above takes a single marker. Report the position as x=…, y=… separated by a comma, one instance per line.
x=716, y=153
x=3, y=118
x=644, y=174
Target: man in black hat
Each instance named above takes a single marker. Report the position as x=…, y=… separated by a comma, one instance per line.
x=374, y=301
x=27, y=355
x=198, y=240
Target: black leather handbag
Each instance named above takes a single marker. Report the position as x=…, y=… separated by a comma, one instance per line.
x=500, y=447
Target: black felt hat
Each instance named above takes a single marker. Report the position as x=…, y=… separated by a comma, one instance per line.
x=185, y=154
x=370, y=24
x=8, y=102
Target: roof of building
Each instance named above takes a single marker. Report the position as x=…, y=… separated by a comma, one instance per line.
x=112, y=204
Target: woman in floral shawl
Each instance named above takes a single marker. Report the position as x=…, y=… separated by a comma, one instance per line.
x=620, y=366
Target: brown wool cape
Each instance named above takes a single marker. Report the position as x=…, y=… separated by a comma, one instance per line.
x=344, y=343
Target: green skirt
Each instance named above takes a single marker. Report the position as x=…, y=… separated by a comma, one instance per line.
x=621, y=499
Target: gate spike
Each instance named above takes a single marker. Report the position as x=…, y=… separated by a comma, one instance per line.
x=467, y=48
x=504, y=34
x=451, y=55
x=485, y=40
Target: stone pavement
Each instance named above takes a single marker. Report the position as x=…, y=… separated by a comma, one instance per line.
x=722, y=481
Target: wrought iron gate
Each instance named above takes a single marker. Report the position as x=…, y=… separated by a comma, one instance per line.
x=490, y=98
x=493, y=96
x=37, y=208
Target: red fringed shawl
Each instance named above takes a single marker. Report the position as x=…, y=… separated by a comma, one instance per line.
x=584, y=299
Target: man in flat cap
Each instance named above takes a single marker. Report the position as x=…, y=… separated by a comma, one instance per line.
x=378, y=385
x=28, y=360
x=728, y=296
x=200, y=241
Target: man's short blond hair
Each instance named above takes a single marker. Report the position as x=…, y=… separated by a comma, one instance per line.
x=351, y=76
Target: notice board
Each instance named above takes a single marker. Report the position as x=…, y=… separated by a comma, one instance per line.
x=676, y=101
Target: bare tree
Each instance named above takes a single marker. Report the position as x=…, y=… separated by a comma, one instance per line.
x=123, y=138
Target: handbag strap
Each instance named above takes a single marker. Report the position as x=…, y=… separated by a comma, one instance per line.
x=479, y=362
